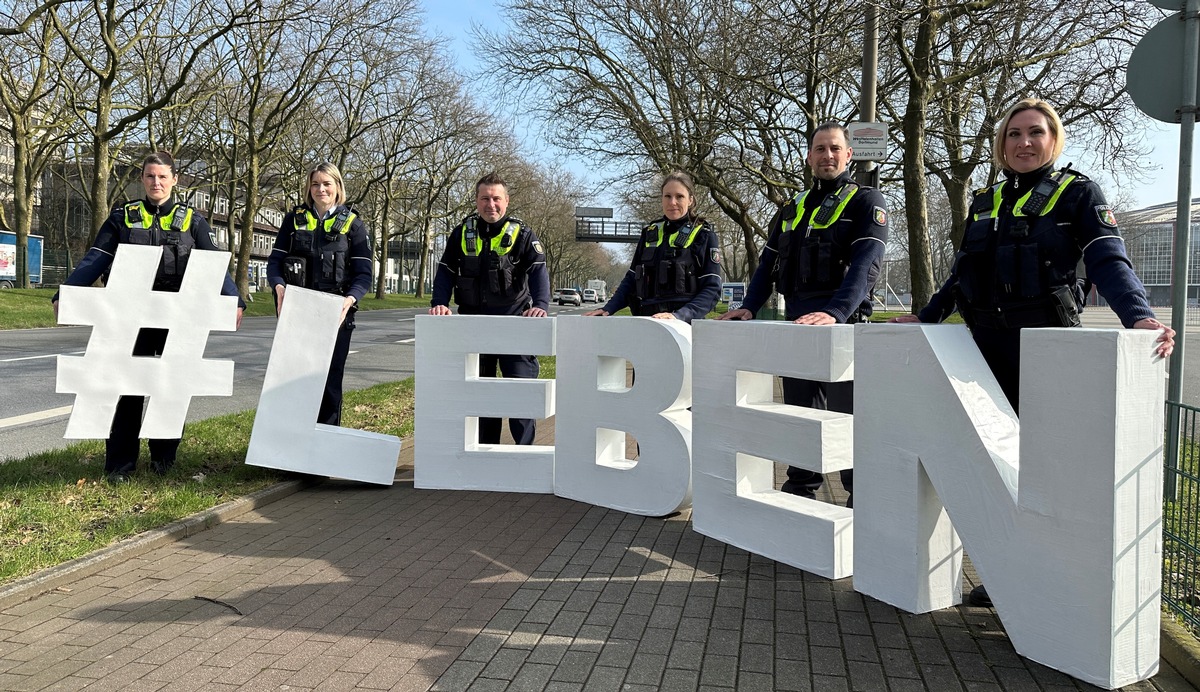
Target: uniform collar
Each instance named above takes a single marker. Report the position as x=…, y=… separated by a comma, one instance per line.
x=1020, y=183
x=490, y=229
x=159, y=209
x=826, y=186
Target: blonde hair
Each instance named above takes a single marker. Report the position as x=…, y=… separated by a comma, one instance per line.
x=1056, y=129
x=332, y=171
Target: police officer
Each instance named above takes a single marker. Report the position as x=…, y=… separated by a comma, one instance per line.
x=323, y=245
x=824, y=253
x=495, y=265
x=676, y=270
x=1024, y=240
x=156, y=220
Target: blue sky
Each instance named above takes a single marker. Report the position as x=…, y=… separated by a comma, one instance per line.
x=453, y=20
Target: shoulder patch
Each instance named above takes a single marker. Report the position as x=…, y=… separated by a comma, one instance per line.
x=537, y=246
x=213, y=235
x=1106, y=215
x=879, y=216
x=714, y=254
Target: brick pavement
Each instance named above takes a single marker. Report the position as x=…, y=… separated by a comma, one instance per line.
x=342, y=586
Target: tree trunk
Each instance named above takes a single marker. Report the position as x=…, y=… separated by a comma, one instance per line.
x=22, y=208
x=384, y=224
x=915, y=184
x=246, y=239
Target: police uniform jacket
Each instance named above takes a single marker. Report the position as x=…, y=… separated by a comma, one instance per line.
x=1013, y=265
x=500, y=279
x=676, y=268
x=337, y=256
x=824, y=263
x=146, y=223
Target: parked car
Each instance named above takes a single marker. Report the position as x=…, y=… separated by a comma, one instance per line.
x=554, y=297
x=569, y=295
x=589, y=296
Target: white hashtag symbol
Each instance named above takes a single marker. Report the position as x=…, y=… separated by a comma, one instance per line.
x=108, y=370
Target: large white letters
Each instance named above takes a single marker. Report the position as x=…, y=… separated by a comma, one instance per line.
x=590, y=433
x=741, y=432
x=1068, y=540
x=118, y=312
x=451, y=397
x=286, y=435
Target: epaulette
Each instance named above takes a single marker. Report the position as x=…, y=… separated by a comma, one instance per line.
x=299, y=210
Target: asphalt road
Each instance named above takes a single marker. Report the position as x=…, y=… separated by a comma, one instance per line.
x=33, y=417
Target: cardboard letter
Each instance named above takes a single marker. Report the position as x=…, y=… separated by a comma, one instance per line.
x=451, y=397
x=741, y=432
x=286, y=435
x=590, y=463
x=1061, y=516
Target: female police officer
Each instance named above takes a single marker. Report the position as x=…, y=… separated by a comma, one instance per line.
x=676, y=272
x=156, y=220
x=323, y=245
x=1024, y=239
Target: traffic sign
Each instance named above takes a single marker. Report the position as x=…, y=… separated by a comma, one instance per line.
x=1154, y=78
x=868, y=141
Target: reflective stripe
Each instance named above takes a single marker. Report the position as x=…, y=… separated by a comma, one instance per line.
x=471, y=248
x=841, y=198
x=660, y=226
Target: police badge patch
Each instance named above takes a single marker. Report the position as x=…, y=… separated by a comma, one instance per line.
x=880, y=216
x=715, y=255
x=537, y=247
x=1107, y=217
x=213, y=236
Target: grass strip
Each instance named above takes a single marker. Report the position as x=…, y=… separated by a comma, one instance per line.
x=28, y=308
x=56, y=506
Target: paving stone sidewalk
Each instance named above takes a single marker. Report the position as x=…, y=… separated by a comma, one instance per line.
x=346, y=587
x=343, y=586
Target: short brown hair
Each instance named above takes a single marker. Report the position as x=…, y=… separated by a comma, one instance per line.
x=831, y=125
x=492, y=178
x=159, y=158
x=332, y=171
x=1056, y=129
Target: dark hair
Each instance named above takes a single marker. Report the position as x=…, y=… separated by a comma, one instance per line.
x=159, y=158
x=684, y=179
x=492, y=178
x=831, y=125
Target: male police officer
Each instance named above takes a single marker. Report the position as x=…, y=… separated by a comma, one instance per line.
x=495, y=265
x=823, y=254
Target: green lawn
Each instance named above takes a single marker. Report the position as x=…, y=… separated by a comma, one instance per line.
x=55, y=506
x=30, y=307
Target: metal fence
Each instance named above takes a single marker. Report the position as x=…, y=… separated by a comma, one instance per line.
x=1181, y=515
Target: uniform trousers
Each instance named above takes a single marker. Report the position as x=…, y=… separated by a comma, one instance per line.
x=1001, y=348
x=331, y=399
x=522, y=429
x=827, y=396
x=122, y=446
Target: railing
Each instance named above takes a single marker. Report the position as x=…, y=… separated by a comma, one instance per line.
x=1181, y=521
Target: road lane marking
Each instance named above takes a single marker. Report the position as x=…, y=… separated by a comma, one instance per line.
x=406, y=341
x=51, y=355
x=34, y=417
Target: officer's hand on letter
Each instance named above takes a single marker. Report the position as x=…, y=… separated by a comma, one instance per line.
x=534, y=312
x=816, y=318
x=239, y=317
x=347, y=303
x=598, y=312
x=738, y=314
x=663, y=315
x=55, y=306
x=905, y=319
x=439, y=310
x=1165, y=341
x=279, y=299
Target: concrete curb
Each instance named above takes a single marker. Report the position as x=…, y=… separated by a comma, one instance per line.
x=51, y=578
x=1181, y=650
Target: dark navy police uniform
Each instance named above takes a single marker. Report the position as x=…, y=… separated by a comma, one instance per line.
x=179, y=229
x=676, y=268
x=823, y=254
x=1017, y=265
x=495, y=269
x=330, y=253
